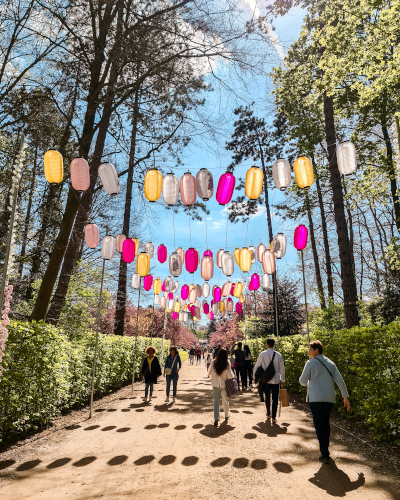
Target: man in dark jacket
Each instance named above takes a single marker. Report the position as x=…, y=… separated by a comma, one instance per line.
x=240, y=356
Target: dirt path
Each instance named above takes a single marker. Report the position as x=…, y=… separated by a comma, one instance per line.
x=133, y=450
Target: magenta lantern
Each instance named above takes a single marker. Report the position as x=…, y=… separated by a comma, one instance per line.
x=217, y=294
x=163, y=287
x=211, y=315
x=226, y=185
x=191, y=260
x=206, y=308
x=250, y=287
x=208, y=253
x=212, y=302
x=147, y=282
x=232, y=289
x=175, y=315
x=185, y=292
x=238, y=308
x=255, y=282
x=300, y=237
x=170, y=296
x=128, y=250
x=162, y=253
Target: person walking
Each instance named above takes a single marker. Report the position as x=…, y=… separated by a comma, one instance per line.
x=150, y=371
x=248, y=365
x=172, y=366
x=232, y=362
x=216, y=350
x=208, y=360
x=219, y=371
x=192, y=353
x=198, y=355
x=272, y=386
x=240, y=357
x=319, y=375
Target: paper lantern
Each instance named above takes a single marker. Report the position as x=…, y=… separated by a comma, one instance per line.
x=208, y=253
x=265, y=280
x=247, y=300
x=181, y=316
x=217, y=294
x=174, y=315
x=163, y=301
x=236, y=254
x=147, y=282
x=268, y=262
x=281, y=174
x=109, y=178
x=175, y=287
x=128, y=251
x=226, y=289
x=227, y=264
x=232, y=289
x=280, y=243
x=135, y=281
x=205, y=289
x=53, y=166
x=108, y=247
x=219, y=257
x=346, y=158
x=136, y=241
x=157, y=284
x=226, y=185
x=253, y=254
x=185, y=292
x=156, y=300
x=197, y=303
x=204, y=184
x=175, y=264
x=170, y=189
x=169, y=283
x=192, y=286
x=221, y=307
x=170, y=304
x=255, y=281
x=237, y=290
x=245, y=260
x=185, y=307
x=149, y=249
x=197, y=312
x=250, y=287
x=188, y=189
x=80, y=177
x=185, y=316
x=229, y=306
x=181, y=252
x=143, y=264
x=192, y=296
x=177, y=307
x=152, y=185
x=241, y=298
x=206, y=308
x=238, y=308
x=120, y=241
x=192, y=260
x=260, y=250
x=244, y=286
x=207, y=268
x=300, y=237
x=162, y=253
x=254, y=183
x=92, y=235
x=199, y=291
x=215, y=308
x=303, y=172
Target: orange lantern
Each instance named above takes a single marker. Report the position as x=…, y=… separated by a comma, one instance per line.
x=143, y=264
x=136, y=245
x=152, y=185
x=236, y=254
x=157, y=285
x=254, y=183
x=245, y=260
x=237, y=291
x=303, y=172
x=53, y=167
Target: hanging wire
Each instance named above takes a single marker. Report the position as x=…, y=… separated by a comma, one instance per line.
x=190, y=232
x=227, y=213
x=206, y=227
x=173, y=225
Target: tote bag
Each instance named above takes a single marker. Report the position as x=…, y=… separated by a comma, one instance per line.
x=231, y=387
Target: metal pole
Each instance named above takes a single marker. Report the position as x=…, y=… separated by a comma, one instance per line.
x=136, y=336
x=10, y=230
x=152, y=330
x=163, y=335
x=275, y=282
x=255, y=314
x=97, y=340
x=305, y=296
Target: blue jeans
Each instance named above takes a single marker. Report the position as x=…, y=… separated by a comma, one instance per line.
x=174, y=378
x=219, y=392
x=146, y=389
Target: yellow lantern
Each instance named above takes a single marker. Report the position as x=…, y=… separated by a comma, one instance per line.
x=236, y=254
x=185, y=308
x=271, y=247
x=177, y=307
x=53, y=167
x=221, y=306
x=143, y=264
x=237, y=291
x=157, y=285
x=303, y=172
x=254, y=183
x=245, y=260
x=192, y=286
x=241, y=298
x=152, y=185
x=136, y=241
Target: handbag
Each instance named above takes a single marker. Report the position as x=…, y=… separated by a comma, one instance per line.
x=231, y=387
x=168, y=371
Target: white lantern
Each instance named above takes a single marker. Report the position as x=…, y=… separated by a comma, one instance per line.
x=136, y=281
x=219, y=256
x=260, y=250
x=175, y=288
x=163, y=301
x=185, y=316
x=279, y=245
x=108, y=247
x=281, y=174
x=215, y=308
x=268, y=262
x=197, y=303
x=244, y=286
x=156, y=300
x=170, y=189
x=149, y=249
x=170, y=304
x=192, y=296
x=253, y=254
x=109, y=178
x=165, y=295
x=183, y=303
x=265, y=280
x=175, y=264
x=176, y=298
x=204, y=184
x=227, y=264
x=346, y=158
x=206, y=289
x=181, y=316
x=169, y=283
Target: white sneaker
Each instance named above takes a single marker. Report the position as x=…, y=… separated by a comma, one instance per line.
x=167, y=400
x=173, y=400
x=145, y=400
x=149, y=399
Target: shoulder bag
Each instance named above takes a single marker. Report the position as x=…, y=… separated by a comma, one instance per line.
x=325, y=367
x=269, y=373
x=231, y=387
x=168, y=371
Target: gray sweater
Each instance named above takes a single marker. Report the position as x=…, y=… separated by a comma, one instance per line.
x=320, y=386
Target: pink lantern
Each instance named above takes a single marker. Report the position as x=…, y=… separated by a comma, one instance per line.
x=192, y=296
x=175, y=315
x=207, y=268
x=260, y=250
x=247, y=300
x=92, y=235
x=162, y=253
x=229, y=306
x=128, y=251
x=170, y=296
x=181, y=252
x=232, y=289
x=80, y=177
x=185, y=292
x=120, y=241
x=211, y=315
x=255, y=282
x=147, y=282
x=180, y=316
x=192, y=260
x=219, y=257
x=188, y=189
x=199, y=291
x=206, y=308
x=300, y=237
x=268, y=262
x=226, y=185
x=226, y=289
x=238, y=308
x=208, y=253
x=163, y=301
x=163, y=287
x=217, y=294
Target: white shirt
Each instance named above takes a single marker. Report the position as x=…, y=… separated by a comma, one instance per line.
x=219, y=380
x=264, y=359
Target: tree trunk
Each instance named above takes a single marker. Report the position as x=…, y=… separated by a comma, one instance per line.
x=373, y=254
x=315, y=255
x=120, y=308
x=347, y=275
x=351, y=231
x=392, y=172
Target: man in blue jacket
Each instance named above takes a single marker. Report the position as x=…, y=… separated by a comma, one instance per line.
x=319, y=375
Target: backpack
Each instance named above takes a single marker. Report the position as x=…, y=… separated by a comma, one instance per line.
x=240, y=356
x=269, y=373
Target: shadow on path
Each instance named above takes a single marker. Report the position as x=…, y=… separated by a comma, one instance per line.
x=335, y=481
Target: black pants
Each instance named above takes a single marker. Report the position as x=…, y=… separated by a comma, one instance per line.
x=321, y=411
x=248, y=367
x=241, y=373
x=274, y=388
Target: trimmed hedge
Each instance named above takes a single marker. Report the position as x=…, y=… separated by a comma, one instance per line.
x=368, y=359
x=45, y=372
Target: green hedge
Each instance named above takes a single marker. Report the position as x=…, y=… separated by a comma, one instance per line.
x=368, y=359
x=45, y=372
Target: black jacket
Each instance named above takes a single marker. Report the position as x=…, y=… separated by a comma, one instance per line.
x=155, y=370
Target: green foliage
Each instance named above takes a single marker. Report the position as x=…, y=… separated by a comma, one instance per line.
x=368, y=359
x=46, y=372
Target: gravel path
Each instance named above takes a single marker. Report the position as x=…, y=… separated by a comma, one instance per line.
x=134, y=450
